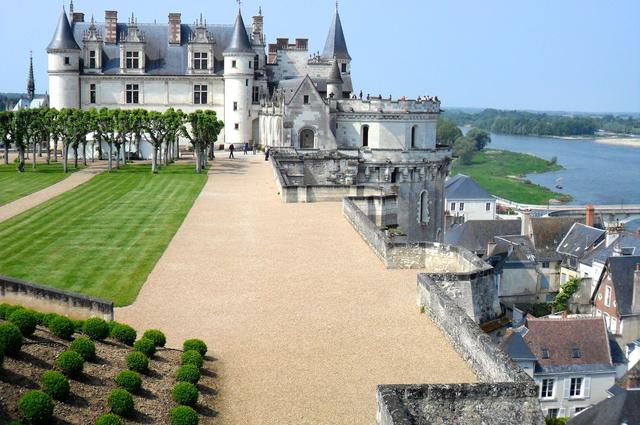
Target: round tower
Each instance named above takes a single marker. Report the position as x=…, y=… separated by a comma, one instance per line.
x=238, y=85
x=64, y=66
x=334, y=82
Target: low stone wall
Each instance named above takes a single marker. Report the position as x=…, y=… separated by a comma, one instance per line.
x=51, y=300
x=371, y=234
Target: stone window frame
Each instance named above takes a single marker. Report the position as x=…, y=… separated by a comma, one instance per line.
x=93, y=93
x=132, y=94
x=93, y=59
x=414, y=133
x=608, y=294
x=364, y=135
x=200, y=91
x=132, y=59
x=315, y=136
x=200, y=61
x=547, y=391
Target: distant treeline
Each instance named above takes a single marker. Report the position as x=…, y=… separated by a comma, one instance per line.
x=541, y=124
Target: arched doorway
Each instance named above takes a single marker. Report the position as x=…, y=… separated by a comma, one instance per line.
x=307, y=139
x=365, y=135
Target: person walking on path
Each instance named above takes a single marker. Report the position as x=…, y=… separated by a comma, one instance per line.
x=231, y=149
x=255, y=148
x=246, y=148
x=266, y=153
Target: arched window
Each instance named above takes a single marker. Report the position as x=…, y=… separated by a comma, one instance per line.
x=365, y=135
x=307, y=139
x=413, y=136
x=424, y=208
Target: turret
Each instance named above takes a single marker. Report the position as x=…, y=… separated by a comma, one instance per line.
x=64, y=66
x=334, y=82
x=238, y=84
x=336, y=45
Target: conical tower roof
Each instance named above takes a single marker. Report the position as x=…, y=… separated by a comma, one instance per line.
x=336, y=45
x=63, y=38
x=334, y=76
x=240, y=42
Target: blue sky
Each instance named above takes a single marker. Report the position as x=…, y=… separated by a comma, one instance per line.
x=578, y=55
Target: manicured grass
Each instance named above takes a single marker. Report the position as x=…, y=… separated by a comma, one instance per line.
x=104, y=237
x=14, y=185
x=501, y=172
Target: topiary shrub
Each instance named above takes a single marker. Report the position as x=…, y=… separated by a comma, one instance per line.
x=78, y=324
x=188, y=373
x=192, y=357
x=145, y=346
x=70, y=362
x=10, y=338
x=195, y=344
x=48, y=318
x=24, y=320
x=183, y=415
x=109, y=419
x=85, y=347
x=156, y=336
x=123, y=333
x=56, y=385
x=61, y=326
x=36, y=407
x=6, y=310
x=121, y=402
x=129, y=380
x=96, y=329
x=40, y=317
x=138, y=362
x=185, y=393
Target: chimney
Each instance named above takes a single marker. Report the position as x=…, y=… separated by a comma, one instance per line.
x=111, y=26
x=302, y=43
x=283, y=43
x=175, y=28
x=257, y=29
x=77, y=17
x=273, y=54
x=491, y=247
x=613, y=232
x=525, y=228
x=635, y=303
x=590, y=216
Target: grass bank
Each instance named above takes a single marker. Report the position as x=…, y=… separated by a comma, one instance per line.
x=15, y=185
x=501, y=173
x=104, y=237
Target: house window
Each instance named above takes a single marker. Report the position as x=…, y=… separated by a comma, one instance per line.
x=575, y=353
x=545, y=352
x=200, y=60
x=487, y=206
x=453, y=206
x=132, y=60
x=250, y=64
x=607, y=296
x=575, y=390
x=413, y=136
x=92, y=93
x=613, y=325
x=461, y=206
x=579, y=409
x=256, y=59
x=234, y=64
x=306, y=99
x=235, y=106
x=67, y=60
x=545, y=264
x=255, y=95
x=552, y=413
x=307, y=139
x=365, y=135
x=92, y=59
x=546, y=388
x=133, y=93
x=344, y=67
x=200, y=94
x=236, y=126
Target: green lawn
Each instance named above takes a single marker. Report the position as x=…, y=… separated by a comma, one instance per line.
x=104, y=237
x=501, y=172
x=14, y=185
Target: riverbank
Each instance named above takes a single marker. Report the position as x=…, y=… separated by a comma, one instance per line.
x=631, y=141
x=501, y=173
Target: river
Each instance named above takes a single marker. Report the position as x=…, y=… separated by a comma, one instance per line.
x=593, y=172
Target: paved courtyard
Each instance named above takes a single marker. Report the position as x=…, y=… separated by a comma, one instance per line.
x=302, y=317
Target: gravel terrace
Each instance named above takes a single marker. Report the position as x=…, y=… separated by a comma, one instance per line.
x=303, y=318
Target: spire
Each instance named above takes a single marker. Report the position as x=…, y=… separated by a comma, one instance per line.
x=71, y=8
x=239, y=40
x=334, y=76
x=336, y=45
x=63, y=38
x=31, y=85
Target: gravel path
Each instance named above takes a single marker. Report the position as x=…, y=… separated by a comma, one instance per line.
x=303, y=318
x=27, y=202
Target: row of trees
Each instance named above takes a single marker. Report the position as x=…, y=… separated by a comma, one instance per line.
x=464, y=146
x=36, y=130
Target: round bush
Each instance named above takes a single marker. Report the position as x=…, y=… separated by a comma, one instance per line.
x=185, y=393
x=36, y=407
x=61, y=326
x=129, y=380
x=56, y=385
x=85, y=347
x=156, y=336
x=121, y=402
x=70, y=362
x=48, y=318
x=145, y=346
x=25, y=321
x=78, y=324
x=188, y=373
x=123, y=333
x=137, y=362
x=195, y=344
x=183, y=415
x=40, y=317
x=109, y=419
x=192, y=357
x=10, y=338
x=7, y=309
x=96, y=329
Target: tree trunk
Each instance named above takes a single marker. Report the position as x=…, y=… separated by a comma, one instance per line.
x=33, y=161
x=93, y=151
x=55, y=149
x=84, y=153
x=110, y=156
x=75, y=156
x=118, y=156
x=21, y=159
x=48, y=151
x=6, y=153
x=65, y=157
x=154, y=160
x=124, y=150
x=196, y=150
x=166, y=153
x=40, y=149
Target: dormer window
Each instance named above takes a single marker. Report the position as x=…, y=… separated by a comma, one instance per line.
x=575, y=353
x=67, y=60
x=200, y=60
x=344, y=67
x=234, y=64
x=545, y=352
x=132, y=60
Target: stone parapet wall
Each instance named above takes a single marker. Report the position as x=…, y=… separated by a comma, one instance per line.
x=51, y=300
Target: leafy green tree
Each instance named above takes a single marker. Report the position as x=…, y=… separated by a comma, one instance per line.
x=161, y=129
x=202, y=129
x=6, y=120
x=465, y=148
x=481, y=137
x=447, y=132
x=20, y=134
x=107, y=127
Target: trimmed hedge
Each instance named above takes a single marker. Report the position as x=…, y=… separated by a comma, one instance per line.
x=121, y=402
x=85, y=347
x=70, y=362
x=188, y=373
x=48, y=318
x=123, y=333
x=183, y=415
x=129, y=380
x=191, y=357
x=109, y=419
x=10, y=338
x=96, y=329
x=145, y=346
x=158, y=337
x=195, y=344
x=138, y=362
x=25, y=320
x=6, y=310
x=36, y=407
x=185, y=393
x=56, y=385
x=78, y=324
x=61, y=326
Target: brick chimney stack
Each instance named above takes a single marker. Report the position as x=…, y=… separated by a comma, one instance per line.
x=635, y=302
x=590, y=216
x=257, y=28
x=526, y=229
x=175, y=31
x=111, y=26
x=77, y=17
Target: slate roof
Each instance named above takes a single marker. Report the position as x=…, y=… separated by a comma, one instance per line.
x=464, y=187
x=63, y=38
x=601, y=252
x=515, y=346
x=334, y=75
x=621, y=271
x=290, y=86
x=548, y=232
x=474, y=235
x=623, y=408
x=579, y=239
x=239, y=40
x=336, y=44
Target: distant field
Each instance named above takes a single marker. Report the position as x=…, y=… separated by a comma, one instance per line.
x=500, y=173
x=102, y=238
x=14, y=185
